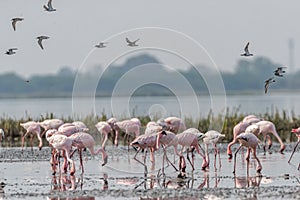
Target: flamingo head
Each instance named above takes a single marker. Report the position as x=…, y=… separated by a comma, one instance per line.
x=295, y=130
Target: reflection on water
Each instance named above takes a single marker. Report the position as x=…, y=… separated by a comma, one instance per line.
x=124, y=176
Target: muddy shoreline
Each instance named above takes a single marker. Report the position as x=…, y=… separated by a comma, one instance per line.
x=27, y=175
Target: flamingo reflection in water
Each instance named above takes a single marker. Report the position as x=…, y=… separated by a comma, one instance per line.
x=63, y=182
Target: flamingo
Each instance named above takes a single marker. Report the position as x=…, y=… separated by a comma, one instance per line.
x=79, y=124
x=83, y=140
x=104, y=128
x=61, y=142
x=129, y=126
x=190, y=138
x=250, y=141
x=237, y=129
x=297, y=133
x=213, y=137
x=32, y=127
x=66, y=129
x=169, y=139
x=143, y=142
x=50, y=124
x=251, y=119
x=173, y=124
x=265, y=128
x=70, y=129
x=1, y=134
x=152, y=127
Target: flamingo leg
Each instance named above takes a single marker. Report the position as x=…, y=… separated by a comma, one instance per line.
x=23, y=139
x=81, y=162
x=146, y=170
x=229, y=152
x=188, y=158
x=31, y=143
x=234, y=165
x=259, y=167
x=293, y=151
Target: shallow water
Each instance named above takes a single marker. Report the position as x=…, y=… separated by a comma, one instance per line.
x=28, y=176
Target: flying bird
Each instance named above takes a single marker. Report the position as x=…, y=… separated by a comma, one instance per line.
x=101, y=45
x=279, y=71
x=247, y=51
x=15, y=20
x=40, y=39
x=11, y=51
x=132, y=43
x=49, y=7
x=267, y=83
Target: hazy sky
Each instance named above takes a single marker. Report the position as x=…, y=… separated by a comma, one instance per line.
x=222, y=27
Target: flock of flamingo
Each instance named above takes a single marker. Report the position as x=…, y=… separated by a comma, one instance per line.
x=67, y=138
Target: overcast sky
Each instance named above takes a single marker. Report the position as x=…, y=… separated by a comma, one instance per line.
x=222, y=27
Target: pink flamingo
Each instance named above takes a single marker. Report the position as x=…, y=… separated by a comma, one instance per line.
x=265, y=128
x=70, y=129
x=32, y=127
x=250, y=141
x=213, y=137
x=173, y=124
x=143, y=142
x=237, y=129
x=79, y=124
x=152, y=127
x=129, y=126
x=104, y=128
x=50, y=124
x=83, y=140
x=190, y=138
x=251, y=119
x=297, y=133
x=61, y=143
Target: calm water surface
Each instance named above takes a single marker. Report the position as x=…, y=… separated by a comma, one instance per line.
x=186, y=106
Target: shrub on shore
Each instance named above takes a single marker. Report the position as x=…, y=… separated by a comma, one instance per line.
x=284, y=124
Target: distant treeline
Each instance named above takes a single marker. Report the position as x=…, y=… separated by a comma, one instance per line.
x=249, y=75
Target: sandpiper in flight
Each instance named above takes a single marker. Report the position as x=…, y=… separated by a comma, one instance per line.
x=14, y=22
x=101, y=45
x=11, y=51
x=40, y=39
x=279, y=71
x=132, y=43
x=247, y=51
x=268, y=82
x=49, y=7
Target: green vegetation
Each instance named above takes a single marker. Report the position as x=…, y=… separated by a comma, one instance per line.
x=284, y=124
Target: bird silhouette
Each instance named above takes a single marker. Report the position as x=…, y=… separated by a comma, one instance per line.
x=14, y=22
x=11, y=51
x=132, y=43
x=49, y=6
x=279, y=71
x=40, y=40
x=267, y=83
x=101, y=45
x=247, y=51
